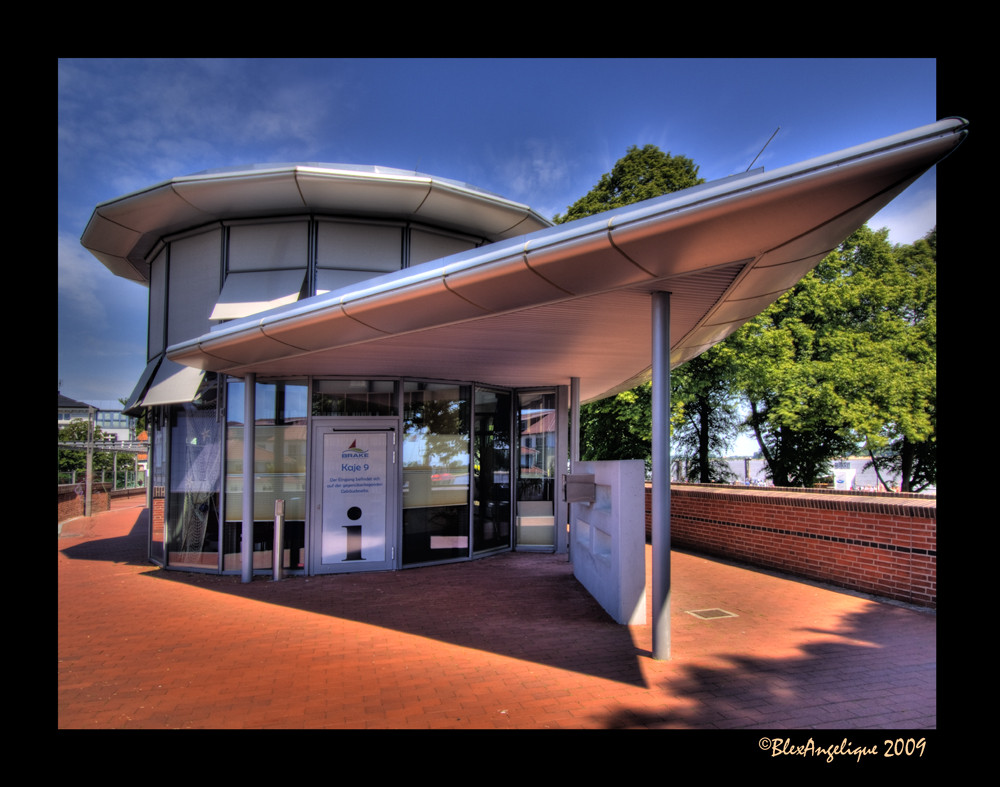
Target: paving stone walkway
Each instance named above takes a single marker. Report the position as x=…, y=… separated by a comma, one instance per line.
x=508, y=642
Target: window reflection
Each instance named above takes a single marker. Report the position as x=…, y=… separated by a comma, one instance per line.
x=359, y=398
x=435, y=457
x=491, y=504
x=536, y=480
x=279, y=472
x=192, y=527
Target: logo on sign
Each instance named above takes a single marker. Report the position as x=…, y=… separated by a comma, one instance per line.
x=353, y=452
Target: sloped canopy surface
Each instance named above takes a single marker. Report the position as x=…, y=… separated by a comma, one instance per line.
x=574, y=300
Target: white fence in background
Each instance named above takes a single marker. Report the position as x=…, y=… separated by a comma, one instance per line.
x=753, y=471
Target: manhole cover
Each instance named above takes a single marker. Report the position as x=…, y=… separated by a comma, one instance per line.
x=709, y=614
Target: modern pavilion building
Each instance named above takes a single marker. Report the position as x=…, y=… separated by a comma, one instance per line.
x=398, y=357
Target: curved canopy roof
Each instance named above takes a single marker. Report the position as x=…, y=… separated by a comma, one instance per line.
x=574, y=300
x=122, y=232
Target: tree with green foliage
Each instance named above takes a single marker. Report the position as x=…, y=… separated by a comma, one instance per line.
x=794, y=405
x=76, y=460
x=707, y=417
x=642, y=173
x=620, y=427
x=845, y=360
x=890, y=364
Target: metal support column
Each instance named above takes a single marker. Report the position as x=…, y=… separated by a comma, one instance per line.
x=574, y=435
x=563, y=459
x=89, y=480
x=249, y=438
x=661, y=475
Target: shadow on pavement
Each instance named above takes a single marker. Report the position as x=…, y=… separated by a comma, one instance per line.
x=519, y=605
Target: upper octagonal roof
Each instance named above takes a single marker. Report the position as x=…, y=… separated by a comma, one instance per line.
x=122, y=232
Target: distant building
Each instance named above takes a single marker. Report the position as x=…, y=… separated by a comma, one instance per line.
x=113, y=422
x=108, y=416
x=72, y=410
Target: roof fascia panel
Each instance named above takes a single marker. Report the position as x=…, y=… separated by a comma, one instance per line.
x=399, y=312
x=582, y=265
x=501, y=286
x=314, y=331
x=268, y=192
x=248, y=347
x=352, y=193
x=450, y=206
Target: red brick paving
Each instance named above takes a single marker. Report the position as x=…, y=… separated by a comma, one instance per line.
x=508, y=642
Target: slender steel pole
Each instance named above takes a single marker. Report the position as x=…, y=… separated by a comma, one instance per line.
x=278, y=542
x=565, y=411
x=249, y=438
x=574, y=435
x=661, y=475
x=89, y=481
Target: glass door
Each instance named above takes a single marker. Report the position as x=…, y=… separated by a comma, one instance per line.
x=354, y=498
x=491, y=504
x=536, y=475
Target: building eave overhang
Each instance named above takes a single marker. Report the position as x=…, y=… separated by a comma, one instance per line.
x=572, y=300
x=122, y=233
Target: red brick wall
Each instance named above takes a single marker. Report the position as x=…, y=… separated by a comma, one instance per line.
x=71, y=500
x=157, y=523
x=885, y=545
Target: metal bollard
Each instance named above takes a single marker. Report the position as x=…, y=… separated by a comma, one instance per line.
x=278, y=544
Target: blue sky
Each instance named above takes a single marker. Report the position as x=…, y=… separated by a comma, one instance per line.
x=541, y=132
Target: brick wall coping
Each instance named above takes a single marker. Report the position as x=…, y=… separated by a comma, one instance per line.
x=892, y=503
x=96, y=486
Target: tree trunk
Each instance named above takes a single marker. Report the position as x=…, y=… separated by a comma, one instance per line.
x=906, y=453
x=703, y=465
x=878, y=473
x=779, y=476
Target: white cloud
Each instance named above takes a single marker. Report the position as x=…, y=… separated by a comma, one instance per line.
x=910, y=217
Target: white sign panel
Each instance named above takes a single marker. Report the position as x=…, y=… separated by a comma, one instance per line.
x=354, y=497
x=843, y=478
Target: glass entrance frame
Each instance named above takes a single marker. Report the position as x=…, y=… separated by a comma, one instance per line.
x=279, y=473
x=539, y=459
x=190, y=450
x=492, y=470
x=436, y=470
x=474, y=463
x=353, y=506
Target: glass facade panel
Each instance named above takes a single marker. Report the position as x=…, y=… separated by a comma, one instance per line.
x=426, y=246
x=435, y=471
x=279, y=472
x=158, y=481
x=491, y=471
x=536, y=479
x=354, y=397
x=192, y=505
x=257, y=247
x=157, y=305
x=366, y=247
x=193, y=281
